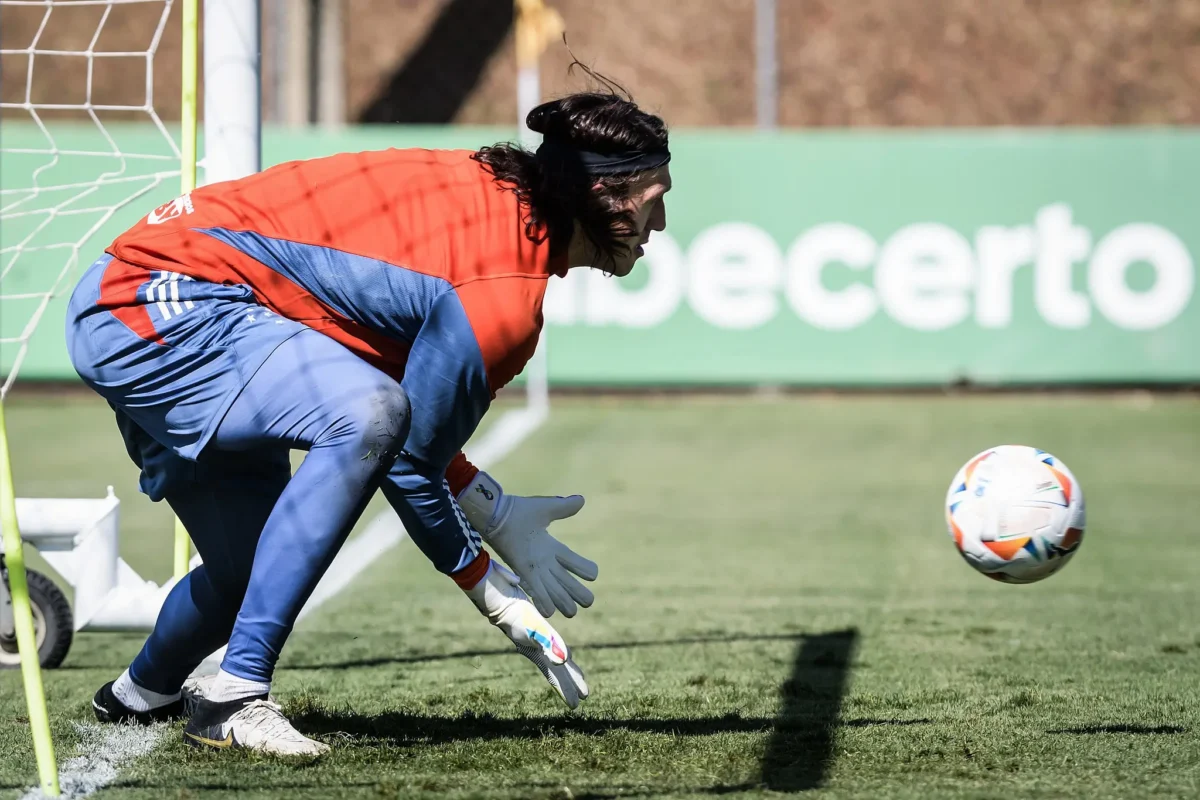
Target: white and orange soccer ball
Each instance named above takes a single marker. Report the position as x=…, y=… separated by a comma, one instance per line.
x=1015, y=513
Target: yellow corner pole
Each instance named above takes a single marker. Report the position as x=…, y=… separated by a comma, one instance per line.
x=536, y=27
x=31, y=670
x=187, y=180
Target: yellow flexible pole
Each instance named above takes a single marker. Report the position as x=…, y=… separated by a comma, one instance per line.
x=187, y=180
x=31, y=670
x=536, y=27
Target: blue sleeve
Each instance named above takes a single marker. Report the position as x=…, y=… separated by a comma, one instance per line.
x=382, y=297
x=447, y=390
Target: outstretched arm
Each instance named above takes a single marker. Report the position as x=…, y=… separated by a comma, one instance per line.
x=448, y=389
x=475, y=340
x=446, y=383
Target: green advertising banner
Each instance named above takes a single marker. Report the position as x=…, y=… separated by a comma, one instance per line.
x=849, y=258
x=905, y=258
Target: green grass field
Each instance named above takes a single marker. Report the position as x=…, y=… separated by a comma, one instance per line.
x=779, y=610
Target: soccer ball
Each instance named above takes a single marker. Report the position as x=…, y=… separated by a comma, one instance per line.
x=1015, y=513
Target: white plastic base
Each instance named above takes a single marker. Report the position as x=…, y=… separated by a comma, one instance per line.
x=79, y=538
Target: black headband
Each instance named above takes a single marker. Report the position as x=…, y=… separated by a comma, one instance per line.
x=624, y=162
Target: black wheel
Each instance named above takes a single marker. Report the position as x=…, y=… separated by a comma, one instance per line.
x=53, y=625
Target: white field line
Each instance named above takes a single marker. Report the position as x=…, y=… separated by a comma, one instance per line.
x=106, y=748
x=103, y=750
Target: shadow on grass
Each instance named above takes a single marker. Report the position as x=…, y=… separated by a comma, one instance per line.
x=399, y=728
x=801, y=746
x=798, y=753
x=428, y=658
x=1141, y=730
x=94, y=663
x=800, y=739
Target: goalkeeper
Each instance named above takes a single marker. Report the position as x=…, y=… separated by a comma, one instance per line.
x=366, y=308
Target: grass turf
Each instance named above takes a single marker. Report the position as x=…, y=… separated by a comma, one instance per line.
x=779, y=610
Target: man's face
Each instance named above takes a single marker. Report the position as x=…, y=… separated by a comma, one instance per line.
x=649, y=208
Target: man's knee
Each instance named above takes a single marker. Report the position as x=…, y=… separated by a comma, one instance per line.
x=380, y=419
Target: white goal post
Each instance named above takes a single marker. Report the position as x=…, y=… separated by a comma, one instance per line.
x=74, y=175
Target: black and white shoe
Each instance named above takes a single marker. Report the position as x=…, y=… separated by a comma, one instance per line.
x=252, y=723
x=109, y=709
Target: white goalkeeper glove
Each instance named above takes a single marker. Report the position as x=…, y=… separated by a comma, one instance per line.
x=499, y=597
x=515, y=527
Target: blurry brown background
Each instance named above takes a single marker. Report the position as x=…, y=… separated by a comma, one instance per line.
x=841, y=62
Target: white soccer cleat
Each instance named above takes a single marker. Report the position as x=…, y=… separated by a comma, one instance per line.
x=252, y=723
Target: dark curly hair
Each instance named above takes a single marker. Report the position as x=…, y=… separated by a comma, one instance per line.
x=554, y=184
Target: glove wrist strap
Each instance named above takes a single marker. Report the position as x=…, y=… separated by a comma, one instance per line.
x=481, y=502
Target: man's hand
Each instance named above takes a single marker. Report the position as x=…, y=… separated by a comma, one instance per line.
x=499, y=597
x=515, y=527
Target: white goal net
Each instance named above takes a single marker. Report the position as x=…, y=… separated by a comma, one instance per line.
x=84, y=152
x=90, y=142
